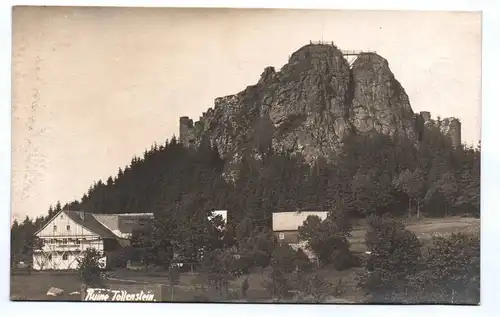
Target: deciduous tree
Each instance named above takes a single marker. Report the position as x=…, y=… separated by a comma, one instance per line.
x=395, y=257
x=328, y=238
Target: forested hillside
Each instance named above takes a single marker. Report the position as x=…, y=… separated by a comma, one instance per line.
x=375, y=174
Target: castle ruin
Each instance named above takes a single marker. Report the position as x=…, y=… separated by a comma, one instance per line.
x=187, y=135
x=450, y=127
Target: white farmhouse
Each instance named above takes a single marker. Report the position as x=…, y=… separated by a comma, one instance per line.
x=69, y=233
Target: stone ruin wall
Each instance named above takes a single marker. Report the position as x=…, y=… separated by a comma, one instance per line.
x=187, y=135
x=450, y=127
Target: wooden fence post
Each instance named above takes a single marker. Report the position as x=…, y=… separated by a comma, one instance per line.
x=83, y=292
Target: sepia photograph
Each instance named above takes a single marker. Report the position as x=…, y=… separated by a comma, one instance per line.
x=219, y=155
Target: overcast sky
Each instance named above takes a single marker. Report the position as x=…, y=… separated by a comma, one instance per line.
x=92, y=87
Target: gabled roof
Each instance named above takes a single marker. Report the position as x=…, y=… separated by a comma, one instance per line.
x=85, y=219
x=48, y=222
x=122, y=225
x=88, y=221
x=292, y=220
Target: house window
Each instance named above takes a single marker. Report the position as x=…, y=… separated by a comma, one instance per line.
x=55, y=227
x=67, y=227
x=65, y=257
x=77, y=241
x=65, y=241
x=282, y=236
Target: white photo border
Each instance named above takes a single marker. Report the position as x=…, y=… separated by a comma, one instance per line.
x=489, y=182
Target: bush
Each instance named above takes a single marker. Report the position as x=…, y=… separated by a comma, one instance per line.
x=451, y=271
x=284, y=258
x=312, y=287
x=394, y=260
x=90, y=268
x=278, y=284
x=218, y=266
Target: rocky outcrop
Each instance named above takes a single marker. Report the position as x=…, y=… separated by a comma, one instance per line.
x=308, y=107
x=379, y=103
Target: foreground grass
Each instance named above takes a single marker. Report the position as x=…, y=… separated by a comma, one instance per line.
x=36, y=285
x=424, y=229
